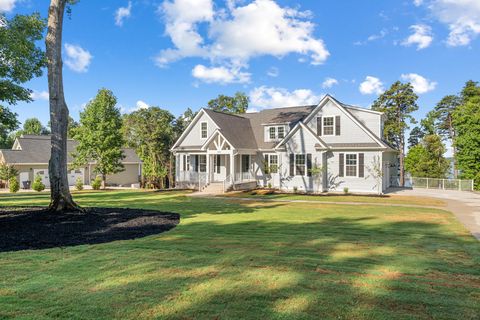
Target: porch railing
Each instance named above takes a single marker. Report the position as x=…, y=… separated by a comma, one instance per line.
x=244, y=176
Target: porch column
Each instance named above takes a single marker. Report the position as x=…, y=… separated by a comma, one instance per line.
x=232, y=166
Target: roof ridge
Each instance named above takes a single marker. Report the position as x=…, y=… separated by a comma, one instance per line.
x=225, y=113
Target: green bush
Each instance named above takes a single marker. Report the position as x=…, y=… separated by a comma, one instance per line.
x=269, y=185
x=345, y=190
x=79, y=184
x=13, y=185
x=97, y=183
x=37, y=184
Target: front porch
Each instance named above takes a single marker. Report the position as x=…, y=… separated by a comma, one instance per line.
x=217, y=162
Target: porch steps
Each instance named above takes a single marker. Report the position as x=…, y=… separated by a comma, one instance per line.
x=213, y=188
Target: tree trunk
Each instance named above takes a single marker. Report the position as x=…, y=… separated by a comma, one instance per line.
x=61, y=199
x=402, y=163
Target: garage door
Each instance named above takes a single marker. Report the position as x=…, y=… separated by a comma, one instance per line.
x=43, y=173
x=73, y=175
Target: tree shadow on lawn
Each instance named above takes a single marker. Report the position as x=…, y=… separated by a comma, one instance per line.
x=338, y=267
x=24, y=228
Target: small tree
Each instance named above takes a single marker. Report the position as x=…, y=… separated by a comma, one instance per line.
x=79, y=184
x=376, y=171
x=7, y=172
x=13, y=185
x=97, y=183
x=37, y=184
x=99, y=136
x=317, y=174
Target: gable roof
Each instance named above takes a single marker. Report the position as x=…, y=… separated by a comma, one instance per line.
x=320, y=144
x=36, y=149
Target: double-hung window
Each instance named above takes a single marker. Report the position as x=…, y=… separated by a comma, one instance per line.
x=273, y=163
x=203, y=130
x=300, y=164
x=351, y=164
x=328, y=126
x=281, y=132
x=203, y=163
x=272, y=133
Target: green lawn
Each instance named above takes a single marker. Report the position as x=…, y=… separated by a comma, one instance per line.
x=230, y=259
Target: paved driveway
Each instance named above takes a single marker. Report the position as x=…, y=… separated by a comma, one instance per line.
x=465, y=205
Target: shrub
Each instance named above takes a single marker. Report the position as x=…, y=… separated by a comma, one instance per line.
x=13, y=185
x=345, y=190
x=269, y=185
x=37, y=184
x=79, y=184
x=295, y=189
x=97, y=183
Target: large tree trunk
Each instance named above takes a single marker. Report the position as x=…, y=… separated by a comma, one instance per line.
x=61, y=199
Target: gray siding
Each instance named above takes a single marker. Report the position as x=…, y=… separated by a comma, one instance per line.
x=193, y=138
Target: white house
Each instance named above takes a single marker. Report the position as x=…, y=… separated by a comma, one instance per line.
x=323, y=147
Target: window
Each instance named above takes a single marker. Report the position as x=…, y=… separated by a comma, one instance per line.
x=188, y=163
x=204, y=131
x=245, y=163
x=328, y=126
x=300, y=164
x=271, y=163
x=272, y=133
x=203, y=163
x=351, y=165
x=217, y=163
x=281, y=132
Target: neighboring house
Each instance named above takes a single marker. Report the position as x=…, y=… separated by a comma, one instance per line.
x=30, y=155
x=279, y=147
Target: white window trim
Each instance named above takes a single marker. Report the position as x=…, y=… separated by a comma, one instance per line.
x=345, y=164
x=333, y=126
x=201, y=130
x=269, y=138
x=270, y=162
x=277, y=132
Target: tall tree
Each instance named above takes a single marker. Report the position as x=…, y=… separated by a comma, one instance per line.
x=61, y=199
x=426, y=159
x=236, y=105
x=99, y=136
x=444, y=122
x=151, y=132
x=21, y=60
x=466, y=121
x=398, y=103
x=32, y=126
x=416, y=136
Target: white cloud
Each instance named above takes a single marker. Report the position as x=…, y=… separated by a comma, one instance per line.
x=39, y=95
x=273, y=72
x=417, y=3
x=372, y=37
x=266, y=29
x=7, y=5
x=142, y=105
x=420, y=84
x=461, y=16
x=123, y=13
x=78, y=59
x=422, y=36
x=329, y=82
x=371, y=85
x=271, y=97
x=221, y=74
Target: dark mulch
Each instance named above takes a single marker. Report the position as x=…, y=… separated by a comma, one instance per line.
x=24, y=228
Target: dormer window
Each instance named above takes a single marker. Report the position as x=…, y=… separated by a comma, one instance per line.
x=328, y=126
x=281, y=132
x=272, y=133
x=203, y=130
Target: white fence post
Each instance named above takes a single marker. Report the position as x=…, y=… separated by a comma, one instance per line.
x=427, y=183
x=443, y=184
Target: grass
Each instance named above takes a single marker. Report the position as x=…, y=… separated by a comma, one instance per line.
x=332, y=197
x=232, y=259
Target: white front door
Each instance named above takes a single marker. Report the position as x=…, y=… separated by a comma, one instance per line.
x=219, y=167
x=43, y=173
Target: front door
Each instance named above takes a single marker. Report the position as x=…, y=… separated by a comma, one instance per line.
x=219, y=167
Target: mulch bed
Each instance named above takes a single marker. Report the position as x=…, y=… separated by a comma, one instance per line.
x=24, y=228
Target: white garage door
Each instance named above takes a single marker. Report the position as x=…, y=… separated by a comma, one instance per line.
x=73, y=175
x=43, y=173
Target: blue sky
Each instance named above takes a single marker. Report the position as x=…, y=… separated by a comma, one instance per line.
x=180, y=53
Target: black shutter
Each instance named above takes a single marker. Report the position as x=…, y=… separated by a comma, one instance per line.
x=337, y=125
x=361, y=170
x=218, y=163
x=309, y=164
x=265, y=166
x=319, y=126
x=196, y=163
x=184, y=163
x=292, y=164
x=341, y=164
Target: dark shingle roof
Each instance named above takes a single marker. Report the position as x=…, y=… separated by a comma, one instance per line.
x=36, y=149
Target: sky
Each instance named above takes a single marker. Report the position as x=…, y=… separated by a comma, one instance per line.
x=181, y=53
